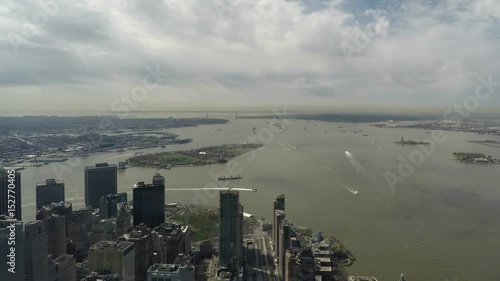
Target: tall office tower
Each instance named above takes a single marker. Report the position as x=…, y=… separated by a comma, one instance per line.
x=10, y=194
x=56, y=235
x=63, y=268
x=284, y=244
x=305, y=265
x=113, y=257
x=159, y=179
x=279, y=215
x=230, y=245
x=108, y=204
x=35, y=251
x=149, y=204
x=100, y=180
x=278, y=204
x=11, y=262
x=143, y=247
x=123, y=220
x=48, y=192
x=79, y=223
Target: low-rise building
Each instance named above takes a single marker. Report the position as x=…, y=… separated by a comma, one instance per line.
x=171, y=272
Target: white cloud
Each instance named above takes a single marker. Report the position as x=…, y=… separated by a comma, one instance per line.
x=254, y=52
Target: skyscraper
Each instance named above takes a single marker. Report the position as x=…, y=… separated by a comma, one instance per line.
x=284, y=244
x=279, y=216
x=48, y=192
x=79, y=223
x=100, y=180
x=56, y=235
x=149, y=204
x=36, y=251
x=278, y=204
x=143, y=247
x=10, y=194
x=230, y=234
x=158, y=179
x=108, y=204
x=11, y=262
x=123, y=220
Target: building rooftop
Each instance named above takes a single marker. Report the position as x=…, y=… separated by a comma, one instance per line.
x=49, y=182
x=121, y=246
x=361, y=278
x=159, y=267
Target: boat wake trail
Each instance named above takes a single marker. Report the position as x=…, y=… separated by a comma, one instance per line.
x=354, y=163
x=351, y=189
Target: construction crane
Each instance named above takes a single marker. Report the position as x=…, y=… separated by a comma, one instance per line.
x=213, y=188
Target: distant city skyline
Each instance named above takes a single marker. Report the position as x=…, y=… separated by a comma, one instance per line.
x=246, y=54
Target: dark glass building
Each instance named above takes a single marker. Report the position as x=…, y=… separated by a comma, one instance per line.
x=10, y=206
x=50, y=191
x=149, y=204
x=100, y=180
x=231, y=231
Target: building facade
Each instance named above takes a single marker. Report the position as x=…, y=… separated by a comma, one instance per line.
x=56, y=235
x=79, y=224
x=108, y=205
x=149, y=204
x=114, y=257
x=143, y=247
x=12, y=262
x=123, y=219
x=230, y=234
x=48, y=192
x=100, y=180
x=35, y=251
x=10, y=194
x=62, y=268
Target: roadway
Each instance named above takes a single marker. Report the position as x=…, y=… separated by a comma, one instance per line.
x=264, y=268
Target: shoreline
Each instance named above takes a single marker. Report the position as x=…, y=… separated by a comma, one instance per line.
x=194, y=157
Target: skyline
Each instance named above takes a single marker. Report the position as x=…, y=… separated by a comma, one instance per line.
x=247, y=54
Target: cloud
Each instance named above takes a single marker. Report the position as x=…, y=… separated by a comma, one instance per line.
x=226, y=52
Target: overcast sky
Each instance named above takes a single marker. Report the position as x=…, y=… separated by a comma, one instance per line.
x=90, y=54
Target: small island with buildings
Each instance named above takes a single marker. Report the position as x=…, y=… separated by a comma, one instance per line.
x=477, y=158
x=200, y=156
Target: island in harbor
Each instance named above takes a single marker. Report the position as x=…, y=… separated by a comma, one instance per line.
x=410, y=142
x=200, y=156
x=473, y=157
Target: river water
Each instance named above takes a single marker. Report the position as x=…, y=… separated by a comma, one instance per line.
x=439, y=224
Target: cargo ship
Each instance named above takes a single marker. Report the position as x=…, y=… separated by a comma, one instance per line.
x=229, y=178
